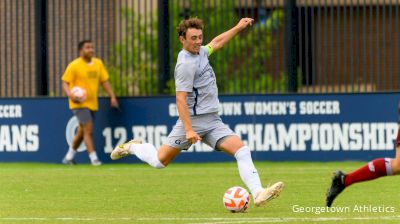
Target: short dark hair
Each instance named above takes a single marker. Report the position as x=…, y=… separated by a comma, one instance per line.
x=185, y=24
x=82, y=43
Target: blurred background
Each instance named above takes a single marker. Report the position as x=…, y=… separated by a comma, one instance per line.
x=312, y=81
x=295, y=46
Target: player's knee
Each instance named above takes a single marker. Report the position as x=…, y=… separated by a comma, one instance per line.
x=396, y=166
x=243, y=152
x=164, y=162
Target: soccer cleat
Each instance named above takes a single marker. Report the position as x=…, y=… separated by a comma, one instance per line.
x=68, y=162
x=123, y=149
x=269, y=193
x=337, y=186
x=96, y=162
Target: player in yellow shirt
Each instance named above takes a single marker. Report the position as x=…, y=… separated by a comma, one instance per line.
x=86, y=72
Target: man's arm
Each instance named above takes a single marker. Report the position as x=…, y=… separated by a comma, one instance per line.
x=219, y=41
x=67, y=91
x=184, y=115
x=107, y=87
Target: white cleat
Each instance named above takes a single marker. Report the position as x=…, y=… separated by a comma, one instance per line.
x=123, y=149
x=96, y=162
x=269, y=193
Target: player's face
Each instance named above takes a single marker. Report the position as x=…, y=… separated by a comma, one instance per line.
x=87, y=50
x=193, y=40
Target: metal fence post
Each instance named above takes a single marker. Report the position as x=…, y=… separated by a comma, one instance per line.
x=163, y=45
x=41, y=47
x=291, y=44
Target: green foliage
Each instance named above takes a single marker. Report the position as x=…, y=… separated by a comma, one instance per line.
x=133, y=65
x=240, y=67
x=262, y=83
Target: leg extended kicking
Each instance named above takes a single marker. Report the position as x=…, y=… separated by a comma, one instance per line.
x=147, y=153
x=373, y=170
x=234, y=146
x=197, y=103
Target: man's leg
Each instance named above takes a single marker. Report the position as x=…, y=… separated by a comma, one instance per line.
x=376, y=168
x=147, y=153
x=234, y=146
x=88, y=139
x=396, y=162
x=155, y=158
x=372, y=170
x=88, y=136
x=167, y=153
x=78, y=138
x=69, y=157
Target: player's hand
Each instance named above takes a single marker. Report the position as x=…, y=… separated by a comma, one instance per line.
x=245, y=22
x=114, y=102
x=74, y=99
x=192, y=137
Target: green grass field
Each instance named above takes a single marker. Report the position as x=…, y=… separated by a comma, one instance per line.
x=181, y=193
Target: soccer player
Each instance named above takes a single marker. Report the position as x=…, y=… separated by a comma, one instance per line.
x=197, y=103
x=374, y=169
x=86, y=72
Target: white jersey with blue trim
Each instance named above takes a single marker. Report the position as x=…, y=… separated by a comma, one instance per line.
x=194, y=75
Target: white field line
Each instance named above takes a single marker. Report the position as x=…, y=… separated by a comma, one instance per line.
x=210, y=220
x=297, y=220
x=277, y=170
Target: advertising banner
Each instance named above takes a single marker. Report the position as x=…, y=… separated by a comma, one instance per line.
x=334, y=127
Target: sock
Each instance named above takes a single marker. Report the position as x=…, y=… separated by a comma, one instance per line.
x=93, y=156
x=374, y=169
x=247, y=171
x=147, y=153
x=70, y=154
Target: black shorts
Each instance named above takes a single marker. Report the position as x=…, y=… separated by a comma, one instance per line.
x=84, y=115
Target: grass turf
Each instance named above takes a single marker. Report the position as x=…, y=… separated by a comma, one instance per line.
x=182, y=193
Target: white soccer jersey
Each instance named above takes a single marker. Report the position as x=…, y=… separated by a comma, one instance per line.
x=194, y=75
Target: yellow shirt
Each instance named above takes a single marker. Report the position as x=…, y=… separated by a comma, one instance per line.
x=88, y=76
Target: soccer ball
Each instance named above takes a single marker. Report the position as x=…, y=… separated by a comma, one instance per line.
x=236, y=199
x=79, y=93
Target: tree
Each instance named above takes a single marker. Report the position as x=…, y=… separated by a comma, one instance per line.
x=133, y=66
x=240, y=66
